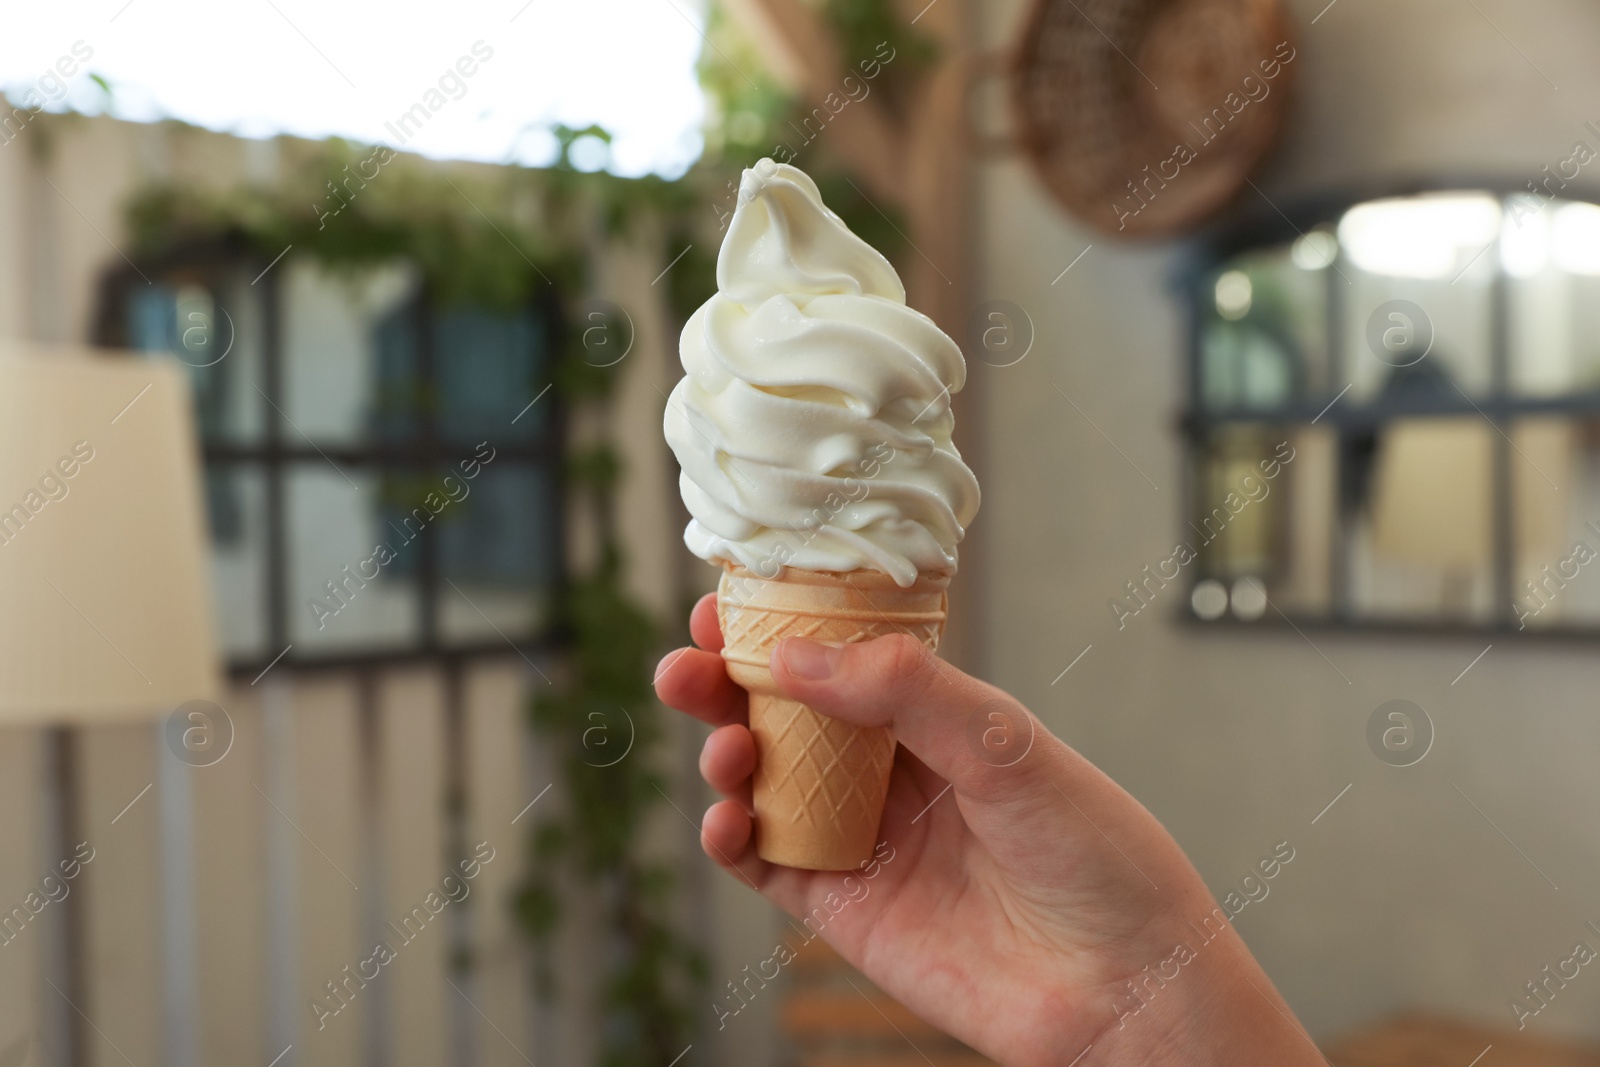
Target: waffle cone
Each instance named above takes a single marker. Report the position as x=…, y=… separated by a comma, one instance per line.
x=819, y=783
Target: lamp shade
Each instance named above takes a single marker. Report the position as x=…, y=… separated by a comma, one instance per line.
x=104, y=591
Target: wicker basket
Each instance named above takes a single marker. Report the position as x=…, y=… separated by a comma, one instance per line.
x=1108, y=93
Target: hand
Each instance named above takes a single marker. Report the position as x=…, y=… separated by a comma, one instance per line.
x=1027, y=906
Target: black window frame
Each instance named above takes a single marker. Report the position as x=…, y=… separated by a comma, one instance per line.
x=280, y=450
x=1272, y=224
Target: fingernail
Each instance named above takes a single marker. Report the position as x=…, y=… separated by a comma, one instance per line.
x=669, y=661
x=809, y=660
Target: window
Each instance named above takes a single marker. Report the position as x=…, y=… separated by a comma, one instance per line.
x=381, y=473
x=1394, y=416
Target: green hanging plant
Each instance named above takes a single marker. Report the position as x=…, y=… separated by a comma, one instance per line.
x=352, y=208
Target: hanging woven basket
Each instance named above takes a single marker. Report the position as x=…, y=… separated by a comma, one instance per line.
x=1143, y=117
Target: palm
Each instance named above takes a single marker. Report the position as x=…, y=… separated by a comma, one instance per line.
x=946, y=901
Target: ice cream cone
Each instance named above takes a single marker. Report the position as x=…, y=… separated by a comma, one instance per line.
x=813, y=427
x=819, y=783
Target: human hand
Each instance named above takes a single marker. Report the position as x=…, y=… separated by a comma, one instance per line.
x=1035, y=913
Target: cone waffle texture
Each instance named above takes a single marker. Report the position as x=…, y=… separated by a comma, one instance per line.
x=819, y=783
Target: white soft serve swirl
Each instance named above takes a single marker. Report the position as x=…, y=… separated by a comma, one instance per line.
x=801, y=368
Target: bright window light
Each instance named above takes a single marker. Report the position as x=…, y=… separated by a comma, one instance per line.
x=318, y=68
x=1431, y=236
x=1577, y=238
x=1525, y=243
x=1315, y=250
x=1233, y=294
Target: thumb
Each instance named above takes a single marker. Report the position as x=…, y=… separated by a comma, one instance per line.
x=975, y=736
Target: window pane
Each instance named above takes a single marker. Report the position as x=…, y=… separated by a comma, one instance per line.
x=352, y=573
x=400, y=397
x=1555, y=485
x=1234, y=527
x=489, y=367
x=1421, y=542
x=1262, y=520
x=1416, y=320
x=498, y=551
x=236, y=509
x=1263, y=340
x=214, y=329
x=1550, y=253
x=1301, y=582
x=334, y=351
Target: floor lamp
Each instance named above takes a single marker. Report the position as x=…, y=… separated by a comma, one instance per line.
x=105, y=610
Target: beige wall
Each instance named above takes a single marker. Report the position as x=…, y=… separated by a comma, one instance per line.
x=1402, y=894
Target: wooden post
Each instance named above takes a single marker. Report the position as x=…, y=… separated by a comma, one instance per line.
x=938, y=182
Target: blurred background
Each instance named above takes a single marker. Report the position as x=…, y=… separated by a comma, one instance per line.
x=338, y=540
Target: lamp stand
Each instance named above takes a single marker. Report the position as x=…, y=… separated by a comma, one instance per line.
x=66, y=830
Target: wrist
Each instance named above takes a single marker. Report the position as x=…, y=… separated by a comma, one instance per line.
x=1201, y=1000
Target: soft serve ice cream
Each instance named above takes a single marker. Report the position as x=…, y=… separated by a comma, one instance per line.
x=813, y=424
